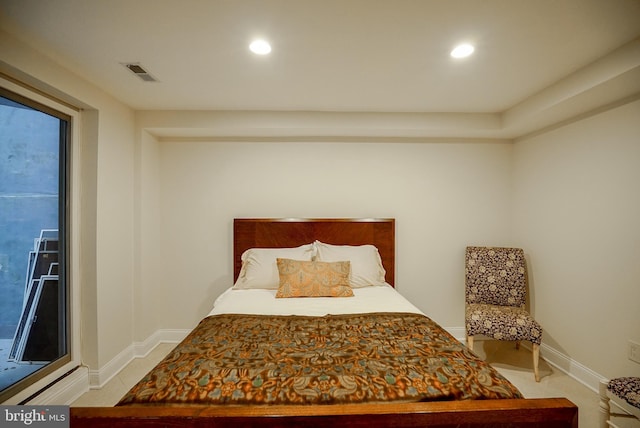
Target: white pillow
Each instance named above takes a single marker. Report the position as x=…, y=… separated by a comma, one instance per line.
x=366, y=264
x=259, y=268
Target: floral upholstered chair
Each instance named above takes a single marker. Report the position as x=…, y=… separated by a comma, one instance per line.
x=495, y=295
x=625, y=393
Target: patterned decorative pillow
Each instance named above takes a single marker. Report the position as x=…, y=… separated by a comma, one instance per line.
x=299, y=278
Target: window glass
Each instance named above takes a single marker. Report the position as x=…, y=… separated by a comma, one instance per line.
x=34, y=336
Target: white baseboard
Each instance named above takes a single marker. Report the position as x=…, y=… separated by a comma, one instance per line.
x=570, y=367
x=142, y=349
x=557, y=359
x=98, y=378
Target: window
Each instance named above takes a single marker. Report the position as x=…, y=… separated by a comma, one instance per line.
x=35, y=334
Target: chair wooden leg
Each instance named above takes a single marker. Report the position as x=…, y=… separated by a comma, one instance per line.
x=605, y=410
x=536, y=357
x=517, y=344
x=470, y=342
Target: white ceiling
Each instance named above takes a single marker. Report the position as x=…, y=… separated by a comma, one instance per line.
x=364, y=56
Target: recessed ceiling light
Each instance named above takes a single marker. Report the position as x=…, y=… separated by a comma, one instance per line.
x=260, y=47
x=462, y=51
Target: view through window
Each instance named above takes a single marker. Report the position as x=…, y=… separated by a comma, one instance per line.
x=34, y=328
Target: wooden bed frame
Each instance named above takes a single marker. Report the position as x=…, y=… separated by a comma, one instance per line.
x=270, y=233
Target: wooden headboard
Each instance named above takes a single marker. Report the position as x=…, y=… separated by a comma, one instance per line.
x=286, y=232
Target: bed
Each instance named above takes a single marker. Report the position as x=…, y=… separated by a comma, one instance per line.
x=369, y=358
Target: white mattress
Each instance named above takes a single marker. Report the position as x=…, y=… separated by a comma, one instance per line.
x=382, y=298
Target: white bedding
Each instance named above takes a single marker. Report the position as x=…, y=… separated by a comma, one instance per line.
x=382, y=298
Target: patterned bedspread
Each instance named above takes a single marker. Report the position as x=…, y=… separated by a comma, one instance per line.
x=260, y=359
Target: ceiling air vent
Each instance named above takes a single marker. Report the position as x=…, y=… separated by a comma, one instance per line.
x=137, y=69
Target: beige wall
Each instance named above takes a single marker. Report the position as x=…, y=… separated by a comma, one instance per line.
x=115, y=231
x=577, y=213
x=443, y=196
x=148, y=234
